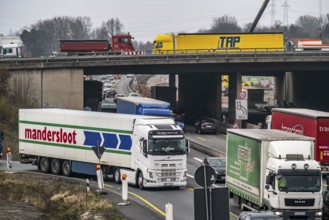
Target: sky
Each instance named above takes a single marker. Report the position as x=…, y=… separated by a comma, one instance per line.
x=144, y=19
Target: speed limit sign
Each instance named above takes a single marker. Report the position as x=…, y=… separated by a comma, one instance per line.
x=243, y=95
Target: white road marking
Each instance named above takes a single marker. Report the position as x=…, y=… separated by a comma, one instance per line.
x=197, y=159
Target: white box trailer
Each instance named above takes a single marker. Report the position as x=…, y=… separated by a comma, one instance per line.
x=151, y=150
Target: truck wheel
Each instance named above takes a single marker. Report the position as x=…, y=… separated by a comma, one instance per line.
x=66, y=168
x=117, y=176
x=44, y=165
x=140, y=180
x=55, y=166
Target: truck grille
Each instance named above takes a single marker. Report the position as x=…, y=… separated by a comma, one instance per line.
x=299, y=202
x=167, y=175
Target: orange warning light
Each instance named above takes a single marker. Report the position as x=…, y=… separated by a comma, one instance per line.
x=124, y=176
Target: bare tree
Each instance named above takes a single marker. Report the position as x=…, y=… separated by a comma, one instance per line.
x=100, y=33
x=310, y=25
x=225, y=24
x=114, y=26
x=4, y=82
x=23, y=93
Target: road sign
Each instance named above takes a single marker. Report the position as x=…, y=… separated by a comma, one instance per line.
x=99, y=150
x=241, y=109
x=205, y=176
x=243, y=95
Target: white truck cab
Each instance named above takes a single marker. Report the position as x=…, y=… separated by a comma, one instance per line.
x=11, y=50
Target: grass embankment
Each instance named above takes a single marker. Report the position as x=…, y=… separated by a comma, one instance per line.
x=56, y=198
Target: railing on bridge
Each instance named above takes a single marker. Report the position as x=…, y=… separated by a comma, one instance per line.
x=168, y=55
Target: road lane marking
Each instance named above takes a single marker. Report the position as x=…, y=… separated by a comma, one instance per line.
x=197, y=159
x=201, y=139
x=143, y=200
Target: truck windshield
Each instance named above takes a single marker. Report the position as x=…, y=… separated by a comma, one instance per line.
x=299, y=183
x=166, y=147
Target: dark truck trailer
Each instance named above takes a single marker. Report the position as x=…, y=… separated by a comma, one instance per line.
x=166, y=94
x=93, y=92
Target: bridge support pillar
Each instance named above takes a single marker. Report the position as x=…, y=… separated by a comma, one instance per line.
x=55, y=88
x=200, y=95
x=233, y=92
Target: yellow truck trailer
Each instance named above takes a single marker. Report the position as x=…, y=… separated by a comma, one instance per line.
x=215, y=43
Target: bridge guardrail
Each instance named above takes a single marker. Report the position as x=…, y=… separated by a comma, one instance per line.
x=161, y=57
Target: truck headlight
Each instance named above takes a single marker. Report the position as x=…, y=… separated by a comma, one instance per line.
x=278, y=213
x=151, y=175
x=318, y=214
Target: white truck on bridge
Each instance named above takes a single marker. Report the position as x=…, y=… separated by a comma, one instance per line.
x=150, y=150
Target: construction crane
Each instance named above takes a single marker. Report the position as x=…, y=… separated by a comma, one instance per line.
x=262, y=9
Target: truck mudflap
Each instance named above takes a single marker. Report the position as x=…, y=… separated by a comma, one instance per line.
x=299, y=214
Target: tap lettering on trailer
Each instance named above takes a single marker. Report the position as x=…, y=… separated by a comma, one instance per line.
x=228, y=42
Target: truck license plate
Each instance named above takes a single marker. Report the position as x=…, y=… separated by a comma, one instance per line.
x=168, y=184
x=300, y=213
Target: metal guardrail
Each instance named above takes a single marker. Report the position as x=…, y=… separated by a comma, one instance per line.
x=161, y=57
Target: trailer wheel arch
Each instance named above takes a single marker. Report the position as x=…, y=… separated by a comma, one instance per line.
x=44, y=164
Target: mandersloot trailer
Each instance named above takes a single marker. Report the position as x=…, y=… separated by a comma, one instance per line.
x=151, y=150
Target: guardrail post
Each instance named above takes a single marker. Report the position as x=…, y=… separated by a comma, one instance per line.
x=169, y=212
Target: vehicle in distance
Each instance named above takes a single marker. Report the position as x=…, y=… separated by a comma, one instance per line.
x=259, y=215
x=116, y=77
x=133, y=94
x=205, y=126
x=179, y=122
x=219, y=165
x=130, y=75
x=107, y=106
x=115, y=98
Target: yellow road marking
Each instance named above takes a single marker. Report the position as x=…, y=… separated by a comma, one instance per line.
x=201, y=139
x=144, y=200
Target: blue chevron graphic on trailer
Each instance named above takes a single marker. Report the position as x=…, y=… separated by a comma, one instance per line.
x=126, y=142
x=110, y=140
x=92, y=138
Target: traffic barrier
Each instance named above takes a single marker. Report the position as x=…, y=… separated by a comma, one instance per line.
x=124, y=190
x=100, y=180
x=9, y=158
x=169, y=212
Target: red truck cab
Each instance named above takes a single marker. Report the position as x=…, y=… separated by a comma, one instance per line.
x=122, y=43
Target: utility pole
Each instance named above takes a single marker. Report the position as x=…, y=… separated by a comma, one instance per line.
x=285, y=13
x=272, y=13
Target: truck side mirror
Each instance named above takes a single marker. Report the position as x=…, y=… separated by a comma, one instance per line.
x=327, y=180
x=144, y=148
x=187, y=145
x=268, y=180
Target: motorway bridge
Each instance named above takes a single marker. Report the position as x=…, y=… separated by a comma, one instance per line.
x=301, y=78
